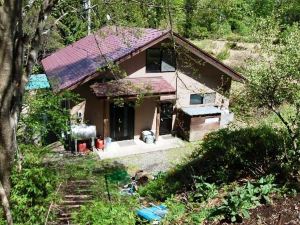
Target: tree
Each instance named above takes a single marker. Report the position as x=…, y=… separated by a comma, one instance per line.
x=274, y=80
x=15, y=66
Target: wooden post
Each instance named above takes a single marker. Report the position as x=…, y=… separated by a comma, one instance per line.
x=157, y=121
x=106, y=131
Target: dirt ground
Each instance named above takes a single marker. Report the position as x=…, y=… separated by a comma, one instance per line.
x=154, y=162
x=284, y=211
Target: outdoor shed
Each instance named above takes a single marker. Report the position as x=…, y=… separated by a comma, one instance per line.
x=194, y=122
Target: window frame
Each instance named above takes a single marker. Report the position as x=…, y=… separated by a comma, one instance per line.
x=160, y=62
x=173, y=53
x=201, y=95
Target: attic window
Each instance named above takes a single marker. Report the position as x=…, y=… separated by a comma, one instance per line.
x=160, y=60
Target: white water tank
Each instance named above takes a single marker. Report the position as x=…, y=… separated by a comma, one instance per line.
x=83, y=131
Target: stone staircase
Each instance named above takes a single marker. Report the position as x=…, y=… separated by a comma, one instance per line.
x=75, y=193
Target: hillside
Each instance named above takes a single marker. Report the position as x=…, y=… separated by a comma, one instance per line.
x=234, y=54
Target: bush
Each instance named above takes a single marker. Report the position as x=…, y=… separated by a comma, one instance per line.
x=225, y=156
x=159, y=188
x=222, y=29
x=224, y=54
x=176, y=211
x=204, y=190
x=237, y=204
x=239, y=27
x=105, y=214
x=228, y=155
x=32, y=187
x=197, y=32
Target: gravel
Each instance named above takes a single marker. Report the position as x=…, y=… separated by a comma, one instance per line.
x=154, y=162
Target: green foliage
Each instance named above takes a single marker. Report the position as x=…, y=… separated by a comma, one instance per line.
x=105, y=213
x=227, y=155
x=274, y=81
x=158, y=188
x=44, y=113
x=176, y=211
x=193, y=19
x=237, y=204
x=204, y=190
x=224, y=54
x=224, y=156
x=32, y=187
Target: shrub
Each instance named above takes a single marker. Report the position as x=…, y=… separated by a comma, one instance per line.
x=103, y=213
x=221, y=29
x=159, y=188
x=32, y=187
x=237, y=204
x=228, y=155
x=204, y=190
x=176, y=211
x=224, y=156
x=224, y=54
x=238, y=26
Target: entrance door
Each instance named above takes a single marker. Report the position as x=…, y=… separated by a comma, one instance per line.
x=166, y=114
x=121, y=122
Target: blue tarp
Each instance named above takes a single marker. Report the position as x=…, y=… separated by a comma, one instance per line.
x=153, y=213
x=37, y=81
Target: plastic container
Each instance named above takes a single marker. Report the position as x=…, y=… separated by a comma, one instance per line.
x=145, y=134
x=82, y=147
x=100, y=144
x=149, y=139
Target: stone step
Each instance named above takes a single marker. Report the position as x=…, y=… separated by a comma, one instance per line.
x=75, y=202
x=78, y=196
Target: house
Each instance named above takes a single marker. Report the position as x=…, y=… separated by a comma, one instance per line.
x=117, y=66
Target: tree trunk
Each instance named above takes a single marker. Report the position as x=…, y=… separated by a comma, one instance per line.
x=13, y=77
x=11, y=85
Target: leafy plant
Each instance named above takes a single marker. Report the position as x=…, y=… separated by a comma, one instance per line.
x=32, y=187
x=266, y=186
x=44, y=113
x=103, y=213
x=238, y=203
x=176, y=211
x=224, y=54
x=204, y=190
x=159, y=188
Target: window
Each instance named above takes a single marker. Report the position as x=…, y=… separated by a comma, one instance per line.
x=160, y=60
x=167, y=60
x=153, y=63
x=207, y=98
x=196, y=99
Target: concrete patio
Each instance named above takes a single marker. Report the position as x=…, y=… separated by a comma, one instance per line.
x=132, y=147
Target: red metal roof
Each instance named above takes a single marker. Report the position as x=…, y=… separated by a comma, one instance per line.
x=132, y=87
x=81, y=59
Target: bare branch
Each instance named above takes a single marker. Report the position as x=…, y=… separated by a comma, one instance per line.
x=36, y=40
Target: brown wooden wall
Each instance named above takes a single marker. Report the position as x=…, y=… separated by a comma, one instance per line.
x=194, y=128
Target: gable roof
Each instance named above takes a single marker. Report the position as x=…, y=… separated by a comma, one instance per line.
x=80, y=60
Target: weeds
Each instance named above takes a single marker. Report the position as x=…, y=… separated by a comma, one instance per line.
x=204, y=190
x=237, y=204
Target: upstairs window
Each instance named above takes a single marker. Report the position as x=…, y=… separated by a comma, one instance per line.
x=160, y=60
x=153, y=62
x=167, y=60
x=207, y=98
x=196, y=99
